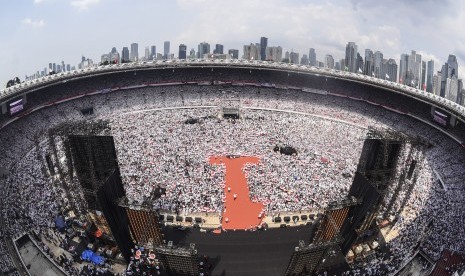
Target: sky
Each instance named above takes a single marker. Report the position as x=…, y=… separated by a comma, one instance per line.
x=36, y=32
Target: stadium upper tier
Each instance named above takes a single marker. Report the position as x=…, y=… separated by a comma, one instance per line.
x=420, y=95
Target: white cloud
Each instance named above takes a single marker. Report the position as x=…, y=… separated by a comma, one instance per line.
x=33, y=23
x=38, y=1
x=83, y=4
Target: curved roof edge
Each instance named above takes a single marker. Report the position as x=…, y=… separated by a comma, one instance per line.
x=421, y=95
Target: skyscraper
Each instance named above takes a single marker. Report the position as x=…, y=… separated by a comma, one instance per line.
x=378, y=65
x=182, y=51
x=403, y=68
x=134, y=56
x=218, y=49
x=274, y=53
x=359, y=63
x=369, y=62
x=351, y=57
x=423, y=75
x=166, y=49
x=251, y=52
x=192, y=53
x=203, y=48
x=414, y=70
x=263, y=45
x=294, y=57
x=147, y=53
x=429, y=76
x=304, y=60
x=125, y=55
x=234, y=53
x=390, y=70
x=449, y=74
x=312, y=57
x=329, y=61
x=153, y=52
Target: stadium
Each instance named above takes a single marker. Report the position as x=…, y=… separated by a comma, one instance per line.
x=221, y=167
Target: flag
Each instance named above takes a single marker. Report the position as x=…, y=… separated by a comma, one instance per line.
x=387, y=76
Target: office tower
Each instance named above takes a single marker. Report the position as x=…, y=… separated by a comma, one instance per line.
x=125, y=55
x=337, y=65
x=192, y=54
x=202, y=49
x=153, y=52
x=50, y=68
x=403, y=69
x=234, y=53
x=423, y=75
x=114, y=56
x=58, y=68
x=294, y=57
x=451, y=89
x=304, y=60
x=134, y=56
x=342, y=62
x=251, y=52
x=378, y=64
x=329, y=61
x=429, y=76
x=369, y=62
x=359, y=64
x=274, y=53
x=437, y=81
x=182, y=51
x=351, y=57
x=413, y=76
x=54, y=67
x=312, y=57
x=68, y=67
x=147, y=53
x=263, y=45
x=166, y=49
x=63, y=67
x=218, y=49
x=390, y=70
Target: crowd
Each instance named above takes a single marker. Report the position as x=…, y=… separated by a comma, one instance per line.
x=158, y=148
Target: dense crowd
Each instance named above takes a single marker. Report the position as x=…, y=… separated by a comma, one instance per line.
x=158, y=148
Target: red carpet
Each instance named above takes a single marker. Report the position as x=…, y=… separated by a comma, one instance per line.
x=240, y=213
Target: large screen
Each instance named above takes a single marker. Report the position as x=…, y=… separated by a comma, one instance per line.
x=16, y=106
x=440, y=118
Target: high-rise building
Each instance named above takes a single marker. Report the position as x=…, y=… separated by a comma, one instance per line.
x=294, y=57
x=54, y=67
x=192, y=53
x=414, y=70
x=203, y=48
x=182, y=51
x=166, y=50
x=451, y=89
x=147, y=53
x=369, y=62
x=312, y=57
x=304, y=60
x=134, y=56
x=274, y=53
x=378, y=65
x=342, y=62
x=153, y=52
x=390, y=70
x=429, y=76
x=234, y=53
x=63, y=67
x=403, y=68
x=337, y=65
x=68, y=67
x=351, y=57
x=263, y=45
x=125, y=55
x=437, y=81
x=449, y=70
x=329, y=61
x=251, y=52
x=423, y=75
x=218, y=49
x=360, y=65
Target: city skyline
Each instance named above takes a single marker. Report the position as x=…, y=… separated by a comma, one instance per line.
x=31, y=28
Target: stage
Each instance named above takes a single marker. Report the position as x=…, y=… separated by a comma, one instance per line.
x=243, y=252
